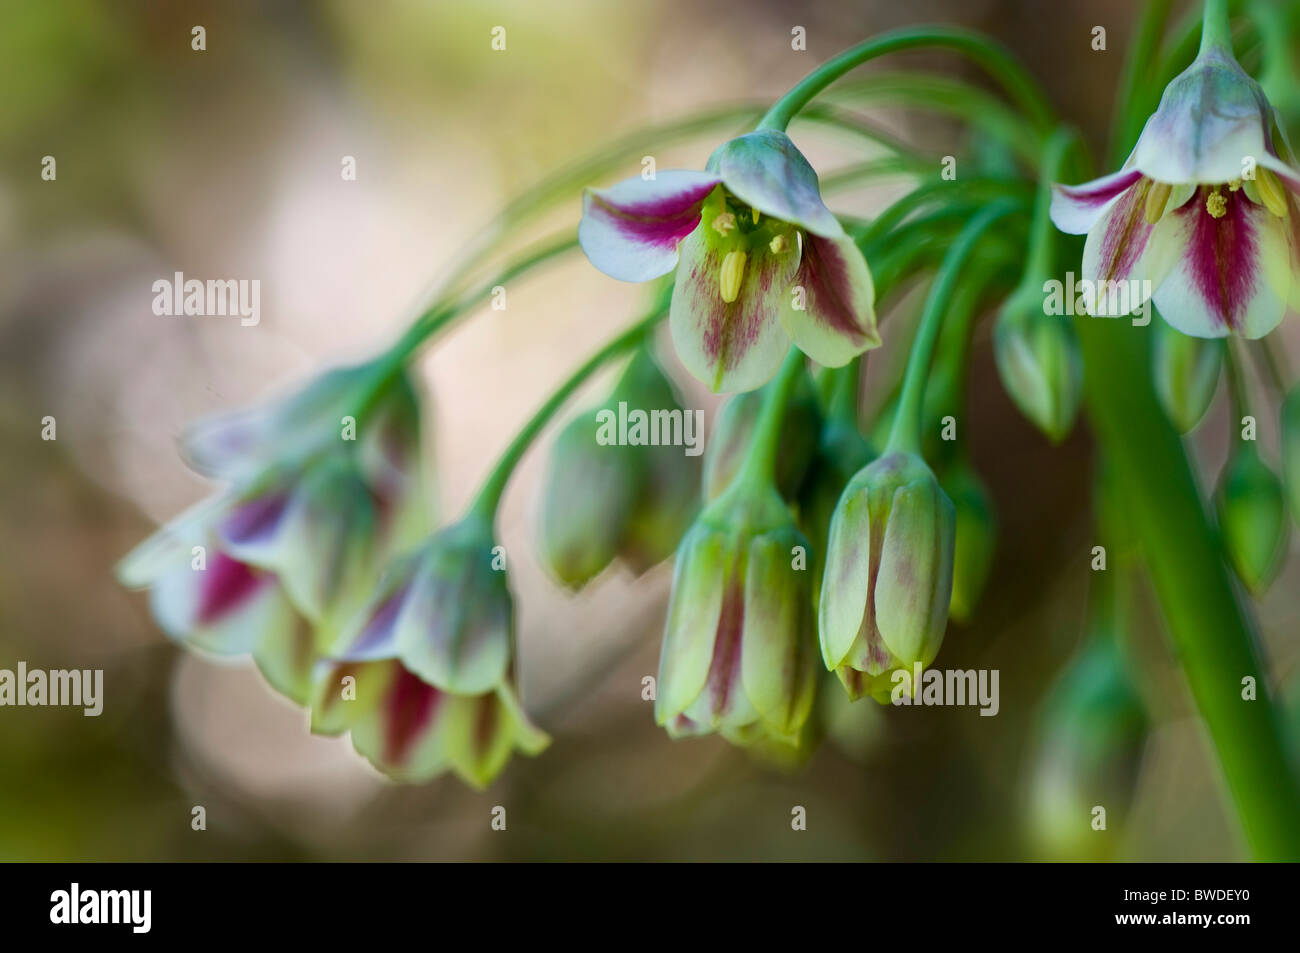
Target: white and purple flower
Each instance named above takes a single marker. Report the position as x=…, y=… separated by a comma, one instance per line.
x=761, y=261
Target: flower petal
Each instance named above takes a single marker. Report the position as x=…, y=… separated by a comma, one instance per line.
x=1076, y=208
x=1125, y=257
x=737, y=345
x=837, y=320
x=777, y=655
x=765, y=171
x=631, y=231
x=699, y=581
x=914, y=584
x=1234, y=273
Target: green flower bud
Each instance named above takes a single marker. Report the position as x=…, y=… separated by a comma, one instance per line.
x=1252, y=518
x=588, y=495
x=601, y=501
x=738, y=653
x=976, y=538
x=1091, y=736
x=1187, y=373
x=734, y=426
x=1290, y=439
x=888, y=580
x=1039, y=361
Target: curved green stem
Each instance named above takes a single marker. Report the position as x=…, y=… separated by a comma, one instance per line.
x=905, y=435
x=759, y=467
x=1018, y=83
x=489, y=496
x=1216, y=34
x=1042, y=233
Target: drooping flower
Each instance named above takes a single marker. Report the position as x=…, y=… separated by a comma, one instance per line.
x=739, y=652
x=1040, y=364
x=760, y=260
x=444, y=610
x=413, y=731
x=888, y=580
x=1202, y=217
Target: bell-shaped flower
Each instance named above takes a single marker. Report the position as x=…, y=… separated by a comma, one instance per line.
x=1202, y=217
x=444, y=610
x=414, y=731
x=888, y=580
x=1040, y=364
x=760, y=260
x=739, y=653
x=206, y=599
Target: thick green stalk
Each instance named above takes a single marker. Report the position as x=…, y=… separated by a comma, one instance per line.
x=489, y=496
x=1215, y=31
x=989, y=55
x=905, y=435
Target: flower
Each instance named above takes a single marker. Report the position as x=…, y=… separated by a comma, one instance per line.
x=738, y=653
x=1202, y=217
x=1187, y=371
x=888, y=579
x=444, y=610
x=1250, y=501
x=210, y=601
x=413, y=731
x=1040, y=365
x=631, y=498
x=760, y=260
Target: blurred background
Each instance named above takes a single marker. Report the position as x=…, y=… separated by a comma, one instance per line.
x=226, y=163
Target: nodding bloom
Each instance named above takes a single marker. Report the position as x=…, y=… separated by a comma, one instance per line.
x=760, y=260
x=1202, y=217
x=888, y=580
x=323, y=488
x=413, y=731
x=739, y=654
x=444, y=610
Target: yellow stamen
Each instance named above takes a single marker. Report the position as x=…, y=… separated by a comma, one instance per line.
x=731, y=274
x=724, y=224
x=1271, y=193
x=1216, y=204
x=1234, y=185
x=778, y=244
x=1157, y=199
x=755, y=211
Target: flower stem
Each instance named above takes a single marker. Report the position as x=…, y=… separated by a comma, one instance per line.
x=489, y=496
x=1216, y=34
x=759, y=468
x=992, y=57
x=905, y=435
x=1042, y=235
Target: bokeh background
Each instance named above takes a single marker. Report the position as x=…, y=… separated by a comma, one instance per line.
x=226, y=163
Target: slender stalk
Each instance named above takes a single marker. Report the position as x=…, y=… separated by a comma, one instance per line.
x=1216, y=34
x=1018, y=83
x=905, y=435
x=1042, y=233
x=759, y=468
x=489, y=496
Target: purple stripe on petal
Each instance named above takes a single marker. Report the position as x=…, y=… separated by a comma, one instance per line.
x=724, y=671
x=255, y=520
x=408, y=711
x=1076, y=208
x=631, y=231
x=1222, y=255
x=226, y=584
x=1126, y=234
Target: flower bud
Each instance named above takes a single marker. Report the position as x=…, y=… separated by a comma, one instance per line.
x=1187, y=373
x=413, y=731
x=1092, y=732
x=445, y=611
x=976, y=538
x=738, y=654
x=1039, y=362
x=1289, y=428
x=1252, y=518
x=735, y=425
x=888, y=580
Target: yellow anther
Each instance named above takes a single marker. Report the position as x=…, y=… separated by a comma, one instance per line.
x=1157, y=199
x=724, y=224
x=778, y=244
x=755, y=211
x=1216, y=204
x=1234, y=185
x=731, y=274
x=1271, y=193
